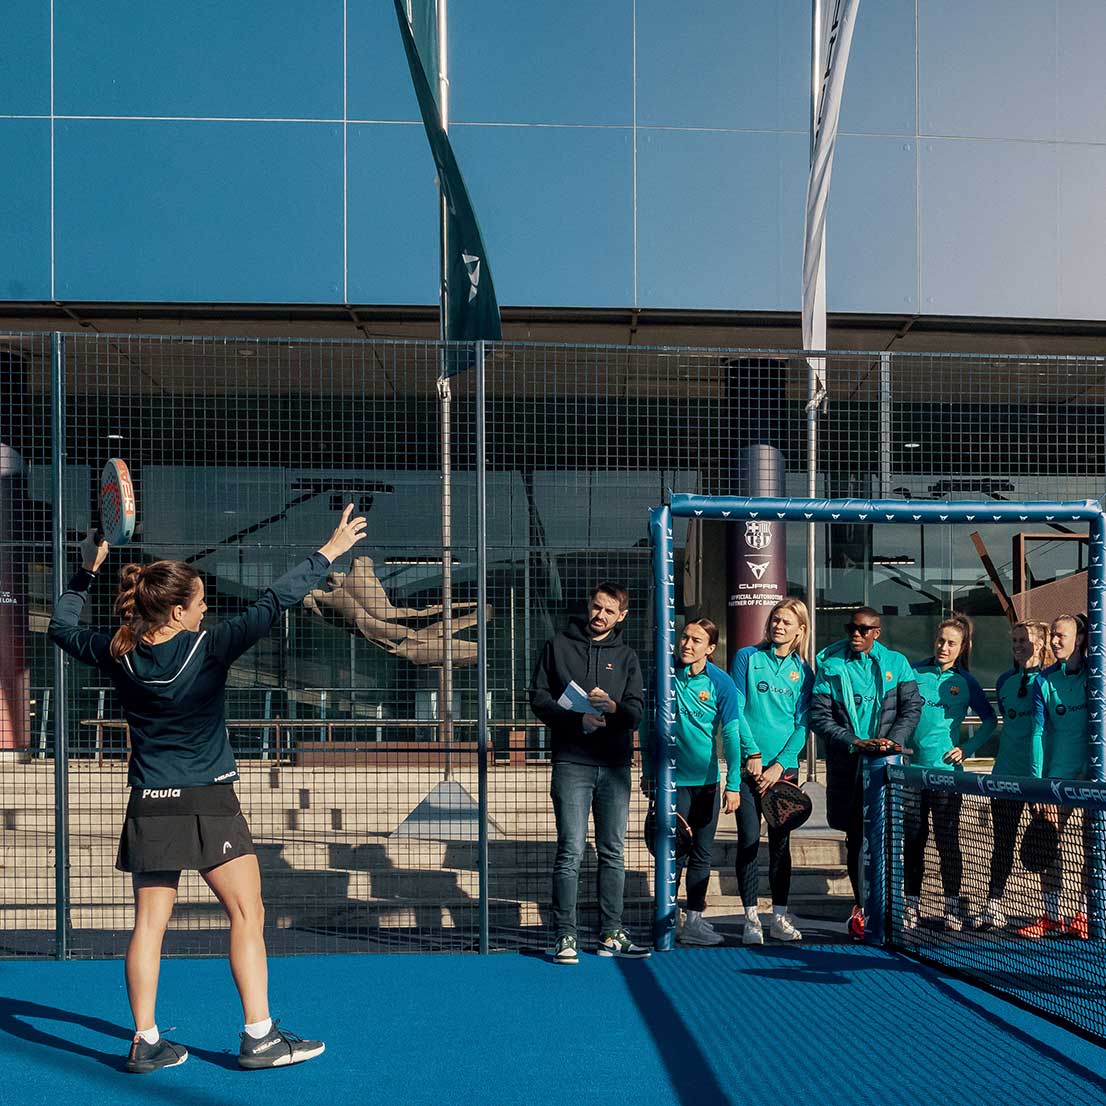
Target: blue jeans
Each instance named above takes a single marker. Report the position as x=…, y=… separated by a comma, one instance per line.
x=576, y=790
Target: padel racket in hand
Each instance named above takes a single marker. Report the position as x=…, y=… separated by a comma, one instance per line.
x=786, y=806
x=683, y=832
x=1040, y=844
x=117, y=505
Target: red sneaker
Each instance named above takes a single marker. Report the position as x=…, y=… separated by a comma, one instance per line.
x=856, y=924
x=1077, y=926
x=1042, y=927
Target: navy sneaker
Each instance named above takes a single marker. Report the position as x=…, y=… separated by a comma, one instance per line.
x=146, y=1058
x=277, y=1049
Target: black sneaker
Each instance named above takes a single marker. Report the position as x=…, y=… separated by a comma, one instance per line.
x=276, y=1049
x=164, y=1054
x=618, y=943
x=565, y=950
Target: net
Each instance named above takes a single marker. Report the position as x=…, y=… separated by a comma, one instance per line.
x=1000, y=881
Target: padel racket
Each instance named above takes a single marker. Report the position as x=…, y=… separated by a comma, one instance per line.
x=117, y=505
x=683, y=832
x=786, y=806
x=1040, y=844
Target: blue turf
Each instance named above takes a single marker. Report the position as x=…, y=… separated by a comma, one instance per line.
x=836, y=1024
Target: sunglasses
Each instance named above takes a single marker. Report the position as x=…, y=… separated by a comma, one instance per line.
x=859, y=628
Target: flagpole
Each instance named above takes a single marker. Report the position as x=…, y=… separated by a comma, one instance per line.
x=445, y=706
x=812, y=379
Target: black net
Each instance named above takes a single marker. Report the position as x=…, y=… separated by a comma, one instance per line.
x=996, y=889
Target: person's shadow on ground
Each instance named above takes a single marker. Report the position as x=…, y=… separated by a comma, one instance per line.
x=16, y=1015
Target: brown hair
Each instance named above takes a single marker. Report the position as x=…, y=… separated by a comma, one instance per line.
x=798, y=608
x=710, y=627
x=962, y=623
x=616, y=591
x=147, y=596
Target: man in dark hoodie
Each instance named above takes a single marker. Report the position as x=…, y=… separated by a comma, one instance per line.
x=592, y=751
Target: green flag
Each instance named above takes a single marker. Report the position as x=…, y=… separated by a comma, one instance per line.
x=472, y=309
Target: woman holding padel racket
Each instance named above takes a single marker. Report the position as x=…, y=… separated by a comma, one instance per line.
x=170, y=676
x=774, y=682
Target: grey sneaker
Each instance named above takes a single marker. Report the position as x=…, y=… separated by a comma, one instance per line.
x=146, y=1058
x=277, y=1049
x=753, y=933
x=783, y=929
x=565, y=951
x=617, y=943
x=698, y=931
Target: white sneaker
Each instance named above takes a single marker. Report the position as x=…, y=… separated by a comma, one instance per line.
x=698, y=931
x=753, y=933
x=783, y=929
x=953, y=921
x=990, y=917
x=910, y=914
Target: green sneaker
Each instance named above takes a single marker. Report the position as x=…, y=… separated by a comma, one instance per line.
x=565, y=950
x=617, y=943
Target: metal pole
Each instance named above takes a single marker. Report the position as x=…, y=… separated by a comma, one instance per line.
x=812, y=389
x=664, y=643
x=445, y=695
x=1096, y=704
x=61, y=702
x=482, y=643
x=885, y=426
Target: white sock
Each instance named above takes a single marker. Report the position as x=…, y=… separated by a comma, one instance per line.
x=952, y=904
x=751, y=914
x=260, y=1029
x=694, y=916
x=780, y=911
x=150, y=1036
x=1052, y=905
x=913, y=900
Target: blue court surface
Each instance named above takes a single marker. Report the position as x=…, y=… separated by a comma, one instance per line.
x=821, y=1025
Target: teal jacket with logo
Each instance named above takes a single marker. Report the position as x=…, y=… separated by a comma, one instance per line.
x=947, y=697
x=1019, y=745
x=834, y=715
x=704, y=703
x=1060, y=721
x=773, y=695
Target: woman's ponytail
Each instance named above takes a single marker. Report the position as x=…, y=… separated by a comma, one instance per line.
x=147, y=596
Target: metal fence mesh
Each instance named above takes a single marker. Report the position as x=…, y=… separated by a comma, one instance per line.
x=364, y=813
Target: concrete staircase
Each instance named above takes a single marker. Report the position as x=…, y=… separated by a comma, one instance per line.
x=331, y=858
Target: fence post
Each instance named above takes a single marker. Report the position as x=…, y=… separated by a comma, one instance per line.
x=1096, y=702
x=482, y=640
x=664, y=745
x=61, y=698
x=874, y=855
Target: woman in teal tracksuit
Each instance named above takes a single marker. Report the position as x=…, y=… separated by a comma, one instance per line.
x=1060, y=724
x=773, y=681
x=1019, y=754
x=949, y=691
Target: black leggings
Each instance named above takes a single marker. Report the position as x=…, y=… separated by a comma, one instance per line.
x=1006, y=817
x=699, y=805
x=748, y=848
x=945, y=808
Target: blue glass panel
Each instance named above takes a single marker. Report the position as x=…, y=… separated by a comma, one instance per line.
x=25, y=65
x=541, y=63
x=281, y=59
x=555, y=208
x=378, y=81
x=25, y=209
x=393, y=215
x=224, y=212
x=988, y=216
x=720, y=219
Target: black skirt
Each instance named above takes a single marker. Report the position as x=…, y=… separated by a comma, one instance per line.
x=173, y=829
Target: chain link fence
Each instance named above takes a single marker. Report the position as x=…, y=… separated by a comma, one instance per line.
x=357, y=724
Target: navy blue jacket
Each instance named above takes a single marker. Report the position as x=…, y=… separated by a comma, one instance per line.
x=172, y=693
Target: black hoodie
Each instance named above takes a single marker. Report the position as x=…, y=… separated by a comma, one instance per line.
x=172, y=693
x=609, y=664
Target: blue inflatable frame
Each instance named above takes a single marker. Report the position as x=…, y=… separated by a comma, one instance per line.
x=882, y=512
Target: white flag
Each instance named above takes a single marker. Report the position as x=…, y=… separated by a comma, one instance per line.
x=837, y=37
